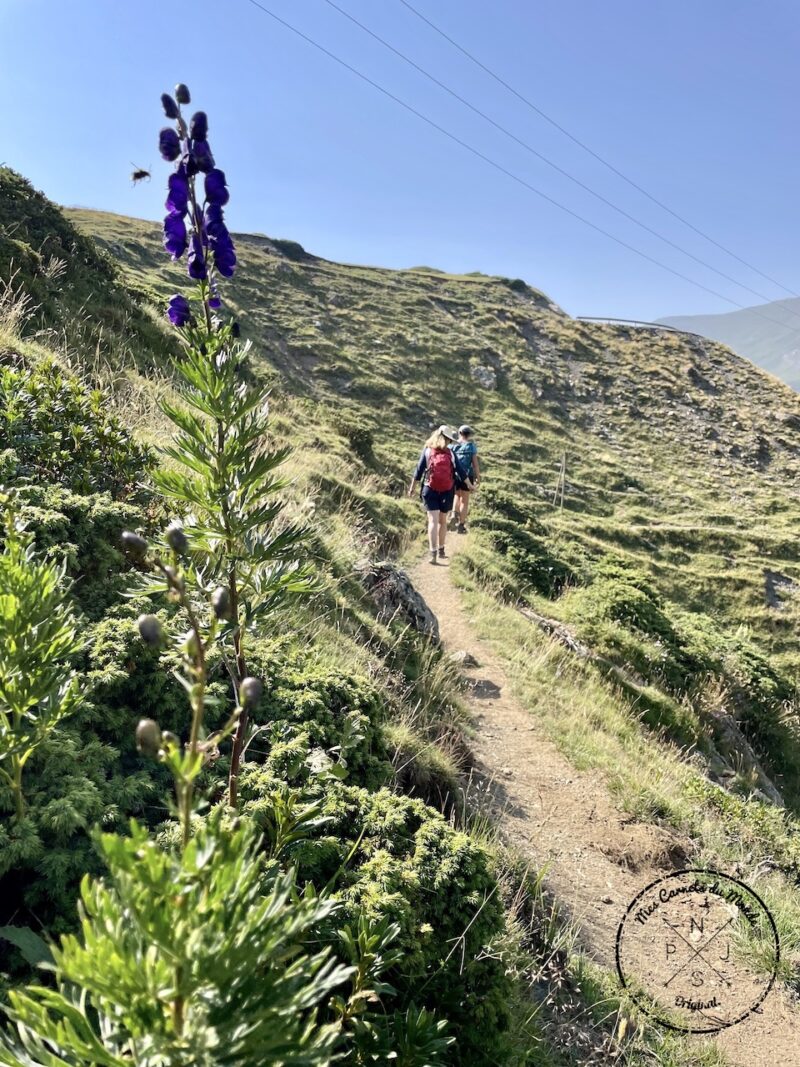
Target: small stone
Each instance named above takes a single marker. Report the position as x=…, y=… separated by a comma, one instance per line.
x=507, y=772
x=607, y=899
x=463, y=659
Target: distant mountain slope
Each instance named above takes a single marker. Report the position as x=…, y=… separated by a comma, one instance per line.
x=775, y=345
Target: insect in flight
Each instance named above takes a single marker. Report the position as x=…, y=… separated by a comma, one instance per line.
x=139, y=175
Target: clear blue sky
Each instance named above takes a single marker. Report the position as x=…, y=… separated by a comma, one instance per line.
x=697, y=101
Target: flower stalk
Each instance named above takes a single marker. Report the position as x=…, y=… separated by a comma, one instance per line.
x=222, y=479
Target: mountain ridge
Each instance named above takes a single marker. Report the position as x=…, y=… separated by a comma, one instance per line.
x=757, y=333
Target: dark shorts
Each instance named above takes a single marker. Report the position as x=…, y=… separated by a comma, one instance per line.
x=462, y=486
x=434, y=501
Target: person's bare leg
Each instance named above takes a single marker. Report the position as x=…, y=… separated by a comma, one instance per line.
x=457, y=506
x=464, y=508
x=442, y=530
x=433, y=530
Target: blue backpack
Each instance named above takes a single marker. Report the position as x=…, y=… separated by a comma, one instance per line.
x=463, y=452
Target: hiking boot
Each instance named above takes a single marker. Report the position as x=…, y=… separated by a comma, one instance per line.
x=433, y=556
x=452, y=522
x=461, y=528
x=442, y=554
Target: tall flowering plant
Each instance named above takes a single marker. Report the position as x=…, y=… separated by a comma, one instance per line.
x=206, y=951
x=223, y=476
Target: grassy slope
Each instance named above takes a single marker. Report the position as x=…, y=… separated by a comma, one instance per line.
x=682, y=459
x=680, y=455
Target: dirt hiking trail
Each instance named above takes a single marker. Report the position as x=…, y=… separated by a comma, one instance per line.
x=598, y=858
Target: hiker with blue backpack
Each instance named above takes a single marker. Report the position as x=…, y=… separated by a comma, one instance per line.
x=468, y=475
x=437, y=472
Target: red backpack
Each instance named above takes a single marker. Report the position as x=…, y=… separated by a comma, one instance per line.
x=440, y=470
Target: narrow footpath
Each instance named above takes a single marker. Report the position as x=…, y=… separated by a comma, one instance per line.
x=597, y=858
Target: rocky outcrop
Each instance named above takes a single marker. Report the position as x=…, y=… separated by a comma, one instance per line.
x=486, y=377
x=395, y=596
x=735, y=756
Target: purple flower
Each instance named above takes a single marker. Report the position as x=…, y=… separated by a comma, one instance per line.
x=169, y=105
x=216, y=188
x=179, y=310
x=214, y=223
x=175, y=235
x=198, y=127
x=197, y=260
x=225, y=258
x=220, y=241
x=214, y=218
x=182, y=94
x=189, y=163
x=214, y=299
x=178, y=196
x=202, y=156
x=169, y=144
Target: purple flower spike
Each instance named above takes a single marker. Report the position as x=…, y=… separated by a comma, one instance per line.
x=169, y=144
x=178, y=197
x=198, y=127
x=169, y=105
x=175, y=235
x=179, y=310
x=216, y=188
x=202, y=156
x=214, y=300
x=182, y=94
x=197, y=260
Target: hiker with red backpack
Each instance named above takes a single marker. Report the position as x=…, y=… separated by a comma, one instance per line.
x=437, y=472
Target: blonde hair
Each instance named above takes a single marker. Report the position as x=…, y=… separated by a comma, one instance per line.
x=436, y=440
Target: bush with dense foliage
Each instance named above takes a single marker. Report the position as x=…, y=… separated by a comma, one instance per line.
x=393, y=858
x=61, y=433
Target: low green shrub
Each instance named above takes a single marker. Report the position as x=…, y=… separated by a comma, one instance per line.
x=309, y=704
x=392, y=857
x=529, y=557
x=62, y=433
x=83, y=529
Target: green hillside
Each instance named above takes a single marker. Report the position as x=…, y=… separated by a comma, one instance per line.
x=671, y=564
x=681, y=457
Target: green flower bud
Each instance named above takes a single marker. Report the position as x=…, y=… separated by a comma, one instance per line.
x=250, y=692
x=134, y=545
x=176, y=538
x=221, y=602
x=148, y=737
x=150, y=629
x=190, y=645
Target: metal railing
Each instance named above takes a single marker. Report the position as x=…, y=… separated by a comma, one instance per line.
x=637, y=323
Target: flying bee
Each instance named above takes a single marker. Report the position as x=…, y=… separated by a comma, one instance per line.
x=139, y=175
